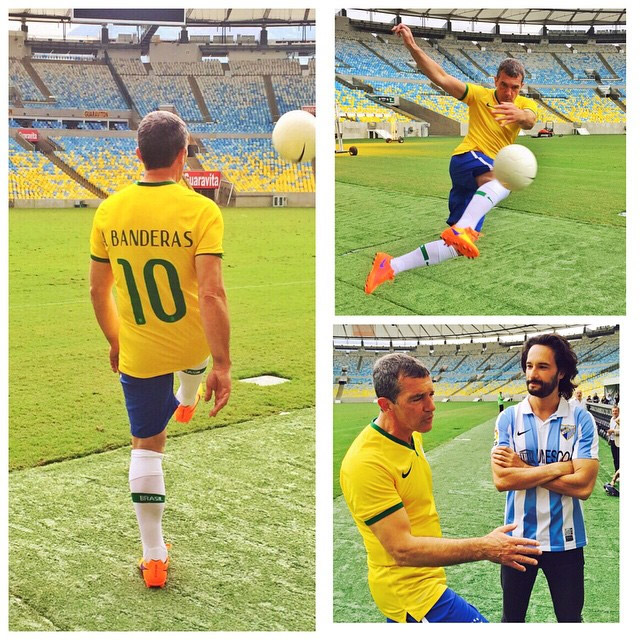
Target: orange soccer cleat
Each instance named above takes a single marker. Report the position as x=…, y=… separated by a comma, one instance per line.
x=154, y=572
x=462, y=240
x=185, y=413
x=381, y=271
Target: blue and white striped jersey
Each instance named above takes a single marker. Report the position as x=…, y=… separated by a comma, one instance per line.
x=555, y=520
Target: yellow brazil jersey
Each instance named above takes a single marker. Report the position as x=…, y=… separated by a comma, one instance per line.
x=379, y=475
x=151, y=233
x=485, y=134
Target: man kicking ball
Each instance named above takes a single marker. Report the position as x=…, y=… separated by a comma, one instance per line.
x=161, y=245
x=495, y=119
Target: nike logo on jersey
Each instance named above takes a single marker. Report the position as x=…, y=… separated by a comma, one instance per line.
x=520, y=433
x=404, y=475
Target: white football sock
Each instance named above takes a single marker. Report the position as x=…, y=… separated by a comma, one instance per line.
x=190, y=380
x=484, y=199
x=146, y=481
x=425, y=255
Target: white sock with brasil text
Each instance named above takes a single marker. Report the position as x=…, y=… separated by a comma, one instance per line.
x=146, y=481
x=425, y=255
x=484, y=199
x=190, y=380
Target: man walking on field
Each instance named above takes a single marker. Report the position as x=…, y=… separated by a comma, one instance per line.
x=495, y=119
x=161, y=245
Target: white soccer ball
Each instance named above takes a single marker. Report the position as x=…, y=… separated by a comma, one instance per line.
x=294, y=136
x=515, y=167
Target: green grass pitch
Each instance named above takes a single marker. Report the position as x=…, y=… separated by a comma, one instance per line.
x=469, y=506
x=234, y=495
x=558, y=247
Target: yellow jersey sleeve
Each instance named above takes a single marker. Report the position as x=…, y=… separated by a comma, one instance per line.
x=370, y=492
x=97, y=244
x=210, y=241
x=527, y=103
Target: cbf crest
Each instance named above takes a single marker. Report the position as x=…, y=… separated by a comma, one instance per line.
x=567, y=430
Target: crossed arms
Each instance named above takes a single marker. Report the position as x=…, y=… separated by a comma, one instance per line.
x=571, y=478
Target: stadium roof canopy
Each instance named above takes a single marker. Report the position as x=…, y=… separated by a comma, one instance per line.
x=195, y=17
x=445, y=331
x=547, y=17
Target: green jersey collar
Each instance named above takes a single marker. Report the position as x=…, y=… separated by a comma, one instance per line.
x=393, y=438
x=154, y=184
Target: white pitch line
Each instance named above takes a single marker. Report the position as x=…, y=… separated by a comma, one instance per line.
x=249, y=286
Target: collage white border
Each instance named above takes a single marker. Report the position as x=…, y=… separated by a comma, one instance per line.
x=325, y=319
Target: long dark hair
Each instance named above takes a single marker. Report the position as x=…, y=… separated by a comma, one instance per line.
x=566, y=359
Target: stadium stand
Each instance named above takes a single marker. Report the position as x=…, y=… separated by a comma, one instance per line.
x=205, y=68
x=473, y=374
x=253, y=166
x=130, y=66
x=109, y=163
x=150, y=92
x=354, y=105
x=20, y=79
x=33, y=176
x=293, y=92
x=564, y=78
x=237, y=104
x=85, y=86
x=243, y=97
x=265, y=67
x=584, y=105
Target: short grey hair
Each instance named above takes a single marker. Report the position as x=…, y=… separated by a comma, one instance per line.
x=161, y=136
x=513, y=68
x=388, y=370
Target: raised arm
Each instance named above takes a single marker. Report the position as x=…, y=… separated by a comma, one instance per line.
x=511, y=473
x=578, y=484
x=394, y=533
x=215, y=321
x=429, y=67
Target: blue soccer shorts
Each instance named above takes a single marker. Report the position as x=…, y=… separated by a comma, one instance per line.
x=464, y=169
x=150, y=403
x=450, y=608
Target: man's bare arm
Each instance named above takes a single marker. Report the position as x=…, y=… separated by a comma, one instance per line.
x=429, y=67
x=394, y=533
x=104, y=306
x=511, y=473
x=215, y=321
x=578, y=484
